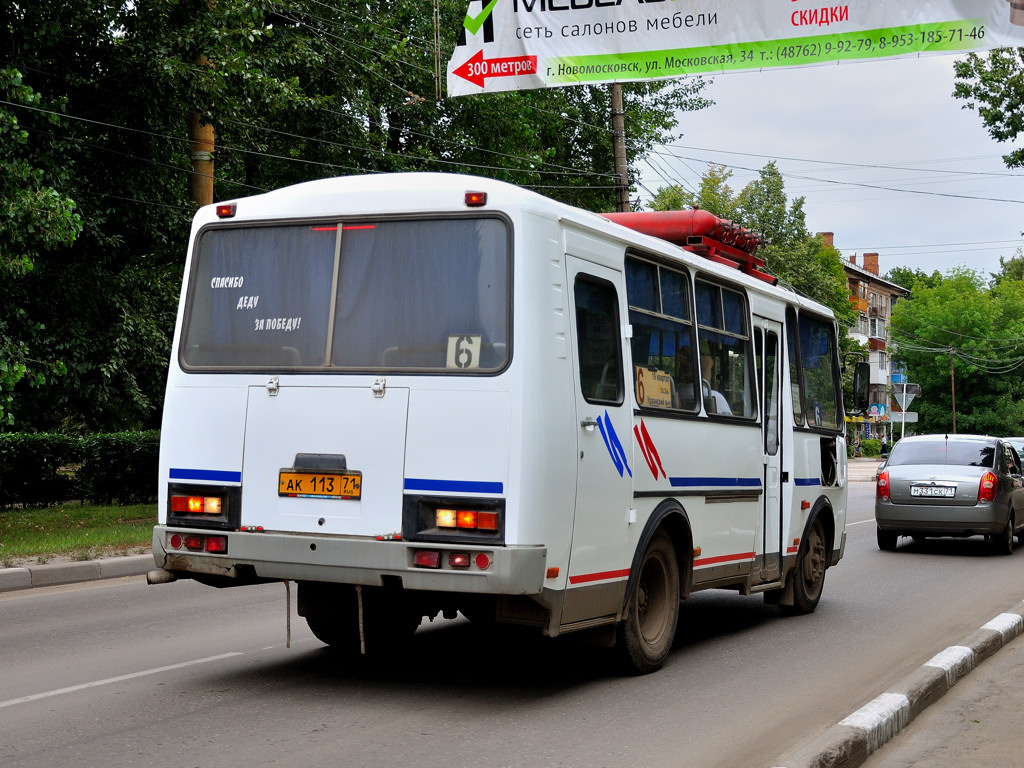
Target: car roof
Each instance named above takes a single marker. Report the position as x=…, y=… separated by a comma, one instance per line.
x=956, y=438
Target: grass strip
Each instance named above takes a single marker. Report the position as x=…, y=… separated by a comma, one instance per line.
x=74, y=531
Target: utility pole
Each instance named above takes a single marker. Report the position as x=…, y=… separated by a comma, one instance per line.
x=619, y=150
x=952, y=387
x=201, y=139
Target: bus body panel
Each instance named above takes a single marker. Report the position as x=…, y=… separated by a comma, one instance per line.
x=202, y=435
x=338, y=421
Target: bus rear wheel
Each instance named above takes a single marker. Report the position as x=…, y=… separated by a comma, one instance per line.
x=645, y=634
x=387, y=621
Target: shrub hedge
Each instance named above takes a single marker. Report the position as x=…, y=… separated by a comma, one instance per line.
x=40, y=469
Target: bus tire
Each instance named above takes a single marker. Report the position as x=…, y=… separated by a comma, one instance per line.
x=388, y=622
x=645, y=634
x=809, y=574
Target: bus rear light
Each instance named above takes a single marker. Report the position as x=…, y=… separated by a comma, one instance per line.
x=458, y=559
x=226, y=210
x=483, y=561
x=476, y=199
x=426, y=558
x=197, y=505
x=466, y=519
x=487, y=521
x=175, y=541
x=194, y=542
x=216, y=544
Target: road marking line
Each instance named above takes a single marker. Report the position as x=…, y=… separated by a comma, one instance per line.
x=861, y=522
x=118, y=679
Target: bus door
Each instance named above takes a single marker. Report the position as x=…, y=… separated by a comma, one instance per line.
x=604, y=476
x=767, y=345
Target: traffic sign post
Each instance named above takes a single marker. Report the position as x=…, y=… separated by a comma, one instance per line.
x=905, y=394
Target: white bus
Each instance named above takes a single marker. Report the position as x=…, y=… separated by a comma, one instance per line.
x=428, y=393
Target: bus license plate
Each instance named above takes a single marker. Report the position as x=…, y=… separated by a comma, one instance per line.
x=320, y=485
x=932, y=490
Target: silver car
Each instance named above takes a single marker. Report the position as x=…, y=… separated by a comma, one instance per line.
x=951, y=485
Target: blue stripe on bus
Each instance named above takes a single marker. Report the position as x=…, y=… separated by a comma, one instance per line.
x=452, y=486
x=219, y=475
x=807, y=481
x=715, y=482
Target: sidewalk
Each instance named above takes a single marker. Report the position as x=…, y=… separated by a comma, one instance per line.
x=53, y=574
x=978, y=720
x=978, y=691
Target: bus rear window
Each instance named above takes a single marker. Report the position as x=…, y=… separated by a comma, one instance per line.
x=405, y=295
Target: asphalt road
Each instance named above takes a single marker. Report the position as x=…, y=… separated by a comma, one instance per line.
x=119, y=673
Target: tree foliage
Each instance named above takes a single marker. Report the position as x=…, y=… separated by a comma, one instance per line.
x=959, y=338
x=96, y=161
x=798, y=258
x=993, y=85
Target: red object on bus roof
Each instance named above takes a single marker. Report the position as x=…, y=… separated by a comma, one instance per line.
x=703, y=233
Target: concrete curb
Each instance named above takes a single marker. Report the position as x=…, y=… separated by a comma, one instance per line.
x=55, y=574
x=850, y=742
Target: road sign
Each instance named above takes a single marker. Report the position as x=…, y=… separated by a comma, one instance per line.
x=906, y=417
x=905, y=393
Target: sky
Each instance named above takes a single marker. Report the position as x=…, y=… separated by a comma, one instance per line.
x=831, y=128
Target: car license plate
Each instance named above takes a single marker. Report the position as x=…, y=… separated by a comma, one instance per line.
x=941, y=491
x=320, y=485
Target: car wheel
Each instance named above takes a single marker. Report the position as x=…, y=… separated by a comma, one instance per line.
x=1004, y=541
x=646, y=633
x=886, y=540
x=809, y=574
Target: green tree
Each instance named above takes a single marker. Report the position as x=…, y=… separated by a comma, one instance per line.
x=794, y=255
x=960, y=324
x=295, y=91
x=35, y=218
x=714, y=194
x=1011, y=269
x=993, y=85
x=908, y=278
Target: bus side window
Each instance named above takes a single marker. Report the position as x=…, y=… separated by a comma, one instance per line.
x=597, y=328
x=725, y=351
x=662, y=343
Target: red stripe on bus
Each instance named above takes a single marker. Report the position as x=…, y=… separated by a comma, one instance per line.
x=724, y=558
x=584, y=578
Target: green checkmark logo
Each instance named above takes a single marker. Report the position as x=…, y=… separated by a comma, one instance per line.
x=473, y=23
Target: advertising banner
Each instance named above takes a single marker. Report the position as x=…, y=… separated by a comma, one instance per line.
x=510, y=45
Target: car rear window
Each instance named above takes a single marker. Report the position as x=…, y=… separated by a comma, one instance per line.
x=964, y=454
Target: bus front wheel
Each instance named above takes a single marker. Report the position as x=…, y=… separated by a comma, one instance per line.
x=809, y=575
x=646, y=632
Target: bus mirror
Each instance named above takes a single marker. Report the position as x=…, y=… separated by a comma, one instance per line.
x=861, y=382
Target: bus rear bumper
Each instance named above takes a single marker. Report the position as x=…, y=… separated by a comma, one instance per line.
x=255, y=557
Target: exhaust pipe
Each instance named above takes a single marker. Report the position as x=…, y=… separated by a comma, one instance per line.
x=161, y=576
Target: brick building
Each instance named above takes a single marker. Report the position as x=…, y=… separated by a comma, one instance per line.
x=872, y=297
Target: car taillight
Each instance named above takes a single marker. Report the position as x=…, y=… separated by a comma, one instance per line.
x=987, y=487
x=882, y=486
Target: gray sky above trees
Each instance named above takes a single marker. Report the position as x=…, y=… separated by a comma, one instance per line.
x=929, y=174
